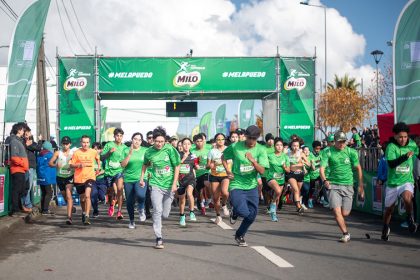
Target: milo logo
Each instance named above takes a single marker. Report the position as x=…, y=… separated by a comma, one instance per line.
x=72, y=82
x=187, y=75
x=296, y=80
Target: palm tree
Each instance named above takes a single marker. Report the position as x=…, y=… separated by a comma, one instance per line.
x=343, y=82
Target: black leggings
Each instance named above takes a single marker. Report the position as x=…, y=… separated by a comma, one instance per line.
x=18, y=190
x=46, y=195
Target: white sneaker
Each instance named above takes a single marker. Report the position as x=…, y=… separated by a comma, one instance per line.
x=304, y=207
x=131, y=225
x=142, y=216
x=345, y=238
x=218, y=220
x=226, y=212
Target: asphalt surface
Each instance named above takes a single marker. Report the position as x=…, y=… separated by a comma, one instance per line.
x=49, y=249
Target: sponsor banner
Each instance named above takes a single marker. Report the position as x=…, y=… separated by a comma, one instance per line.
x=77, y=99
x=246, y=113
x=186, y=74
x=23, y=56
x=2, y=192
x=205, y=124
x=220, y=119
x=297, y=81
x=407, y=64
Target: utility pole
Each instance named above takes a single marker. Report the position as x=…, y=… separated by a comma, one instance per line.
x=42, y=112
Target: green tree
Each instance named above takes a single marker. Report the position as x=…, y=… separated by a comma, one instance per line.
x=343, y=82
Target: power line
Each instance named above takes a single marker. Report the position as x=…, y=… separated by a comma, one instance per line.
x=62, y=26
x=9, y=8
x=11, y=17
x=71, y=26
x=81, y=29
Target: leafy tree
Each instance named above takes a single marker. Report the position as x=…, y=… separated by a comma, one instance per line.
x=343, y=82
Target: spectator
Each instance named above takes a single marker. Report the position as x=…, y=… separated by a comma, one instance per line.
x=19, y=165
x=357, y=143
x=32, y=149
x=46, y=176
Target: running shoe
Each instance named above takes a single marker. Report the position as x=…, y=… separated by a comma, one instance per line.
x=345, y=238
x=142, y=216
x=310, y=203
x=111, y=210
x=119, y=215
x=87, y=221
x=225, y=211
x=69, y=221
x=404, y=224
x=83, y=218
x=203, y=211
x=232, y=218
x=241, y=241
x=412, y=226
x=182, y=222
x=48, y=213
x=274, y=217
x=272, y=208
x=95, y=214
x=159, y=243
x=304, y=207
x=192, y=217
x=73, y=210
x=218, y=220
x=385, y=233
x=268, y=210
x=300, y=211
x=326, y=204
x=131, y=225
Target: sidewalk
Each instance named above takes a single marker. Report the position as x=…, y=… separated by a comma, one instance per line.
x=8, y=224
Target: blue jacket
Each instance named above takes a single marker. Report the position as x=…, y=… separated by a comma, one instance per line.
x=46, y=174
x=382, y=169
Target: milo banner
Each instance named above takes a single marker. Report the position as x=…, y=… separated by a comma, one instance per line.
x=126, y=75
x=407, y=64
x=77, y=100
x=297, y=80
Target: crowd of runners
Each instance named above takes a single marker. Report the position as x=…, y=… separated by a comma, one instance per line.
x=232, y=174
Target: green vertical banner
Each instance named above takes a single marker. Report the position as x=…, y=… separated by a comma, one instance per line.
x=104, y=111
x=23, y=56
x=246, y=113
x=407, y=64
x=77, y=98
x=205, y=123
x=297, y=80
x=220, y=119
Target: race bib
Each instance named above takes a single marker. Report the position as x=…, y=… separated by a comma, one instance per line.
x=201, y=167
x=220, y=169
x=402, y=169
x=163, y=171
x=114, y=164
x=65, y=172
x=277, y=175
x=184, y=169
x=246, y=168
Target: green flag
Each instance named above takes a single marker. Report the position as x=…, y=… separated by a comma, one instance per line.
x=407, y=64
x=246, y=113
x=23, y=57
x=297, y=80
x=205, y=123
x=104, y=110
x=220, y=119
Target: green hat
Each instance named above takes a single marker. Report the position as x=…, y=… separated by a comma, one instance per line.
x=340, y=136
x=330, y=138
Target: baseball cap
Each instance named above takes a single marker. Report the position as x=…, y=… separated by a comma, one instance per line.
x=240, y=131
x=65, y=140
x=340, y=136
x=330, y=138
x=47, y=146
x=253, y=131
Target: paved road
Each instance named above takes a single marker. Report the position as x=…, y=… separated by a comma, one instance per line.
x=107, y=249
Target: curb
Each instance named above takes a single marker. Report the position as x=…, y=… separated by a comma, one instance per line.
x=9, y=224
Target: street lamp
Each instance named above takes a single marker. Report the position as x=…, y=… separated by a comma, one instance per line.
x=377, y=55
x=306, y=3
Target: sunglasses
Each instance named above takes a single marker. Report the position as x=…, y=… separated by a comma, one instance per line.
x=220, y=139
x=149, y=137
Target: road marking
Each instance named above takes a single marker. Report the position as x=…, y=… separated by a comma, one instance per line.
x=280, y=262
x=222, y=224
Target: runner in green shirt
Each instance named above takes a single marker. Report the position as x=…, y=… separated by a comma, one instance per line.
x=279, y=165
x=315, y=179
x=249, y=158
x=265, y=192
x=306, y=179
x=113, y=155
x=341, y=161
x=165, y=162
x=100, y=188
x=400, y=182
x=323, y=196
x=133, y=164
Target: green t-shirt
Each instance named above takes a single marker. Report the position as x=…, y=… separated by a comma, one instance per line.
x=403, y=173
x=341, y=163
x=132, y=171
x=163, y=163
x=113, y=163
x=276, y=171
x=307, y=177
x=98, y=168
x=356, y=138
x=202, y=160
x=245, y=175
x=316, y=163
x=326, y=153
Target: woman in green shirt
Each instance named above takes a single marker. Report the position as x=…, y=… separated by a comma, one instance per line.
x=132, y=164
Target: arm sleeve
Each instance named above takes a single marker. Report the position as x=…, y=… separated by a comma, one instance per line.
x=395, y=162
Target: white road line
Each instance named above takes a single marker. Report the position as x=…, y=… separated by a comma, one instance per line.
x=280, y=262
x=222, y=224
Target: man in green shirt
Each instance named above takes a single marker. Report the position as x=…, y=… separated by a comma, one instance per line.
x=400, y=180
x=357, y=142
x=315, y=179
x=341, y=160
x=249, y=159
x=165, y=162
x=325, y=153
x=113, y=154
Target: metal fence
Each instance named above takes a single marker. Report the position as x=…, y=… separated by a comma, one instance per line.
x=369, y=158
x=4, y=153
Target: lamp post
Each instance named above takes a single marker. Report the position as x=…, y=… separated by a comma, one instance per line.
x=377, y=55
x=306, y=3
